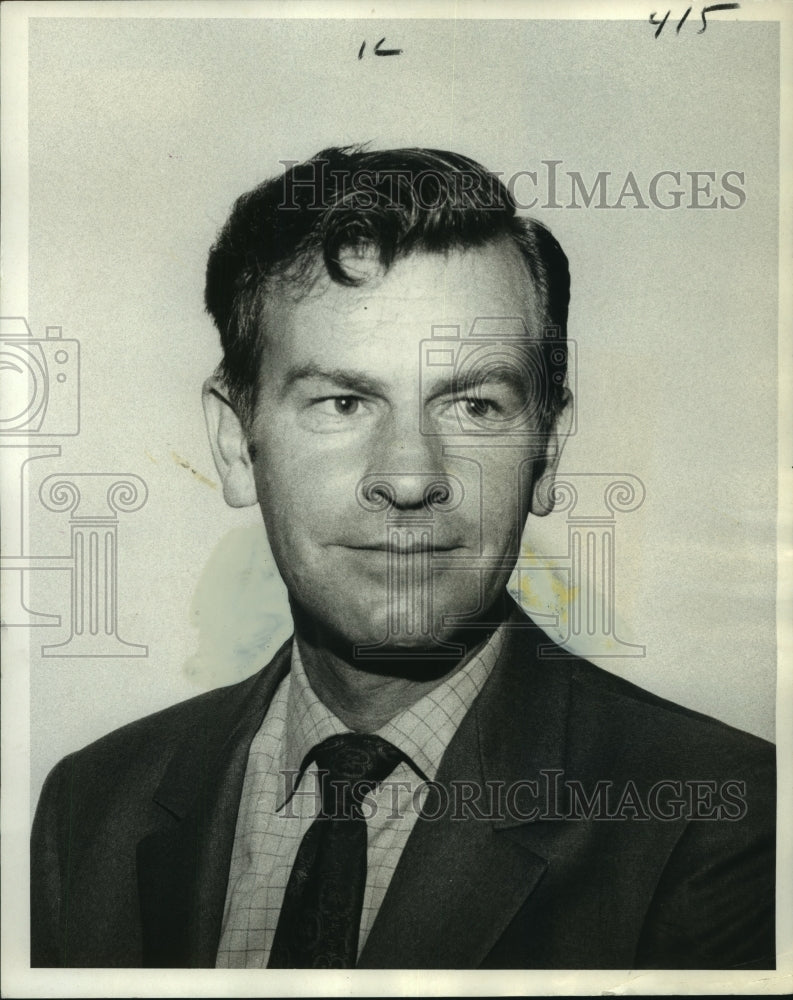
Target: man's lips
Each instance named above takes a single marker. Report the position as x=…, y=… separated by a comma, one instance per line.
x=413, y=548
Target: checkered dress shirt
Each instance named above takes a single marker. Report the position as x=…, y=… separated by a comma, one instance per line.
x=272, y=822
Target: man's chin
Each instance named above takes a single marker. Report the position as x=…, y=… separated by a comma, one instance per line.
x=369, y=629
x=416, y=659
x=396, y=651
x=420, y=647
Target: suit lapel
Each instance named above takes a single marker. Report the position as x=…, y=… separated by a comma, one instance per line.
x=460, y=881
x=183, y=866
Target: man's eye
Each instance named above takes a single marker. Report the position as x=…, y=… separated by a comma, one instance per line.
x=478, y=407
x=346, y=405
x=334, y=406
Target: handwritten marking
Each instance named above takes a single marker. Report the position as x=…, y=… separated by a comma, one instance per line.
x=659, y=25
x=386, y=52
x=379, y=50
x=715, y=6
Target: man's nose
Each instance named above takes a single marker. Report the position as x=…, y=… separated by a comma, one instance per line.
x=417, y=491
x=406, y=471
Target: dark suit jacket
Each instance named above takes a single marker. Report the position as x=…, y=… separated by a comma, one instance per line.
x=133, y=835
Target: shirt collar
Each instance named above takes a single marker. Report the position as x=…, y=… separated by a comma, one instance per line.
x=308, y=720
x=422, y=731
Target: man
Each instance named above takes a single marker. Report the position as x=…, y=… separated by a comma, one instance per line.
x=410, y=782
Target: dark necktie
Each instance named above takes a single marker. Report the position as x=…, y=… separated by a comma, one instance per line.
x=321, y=913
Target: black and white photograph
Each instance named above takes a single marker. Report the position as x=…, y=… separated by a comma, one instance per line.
x=396, y=473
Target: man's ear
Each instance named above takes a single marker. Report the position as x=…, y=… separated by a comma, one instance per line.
x=229, y=445
x=541, y=497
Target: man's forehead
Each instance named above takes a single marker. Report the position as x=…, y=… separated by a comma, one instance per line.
x=453, y=288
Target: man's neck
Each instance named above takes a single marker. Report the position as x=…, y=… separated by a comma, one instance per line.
x=366, y=696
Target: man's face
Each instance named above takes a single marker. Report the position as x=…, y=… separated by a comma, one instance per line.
x=395, y=475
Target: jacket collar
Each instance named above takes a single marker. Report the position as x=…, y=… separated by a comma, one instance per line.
x=183, y=867
x=456, y=875
x=462, y=879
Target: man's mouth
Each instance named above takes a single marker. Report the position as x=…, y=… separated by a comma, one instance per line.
x=406, y=549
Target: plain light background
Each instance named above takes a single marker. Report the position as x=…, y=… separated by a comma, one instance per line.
x=142, y=133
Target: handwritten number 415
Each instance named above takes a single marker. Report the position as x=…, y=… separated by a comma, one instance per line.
x=682, y=21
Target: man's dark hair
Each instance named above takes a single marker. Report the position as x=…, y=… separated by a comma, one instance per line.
x=390, y=202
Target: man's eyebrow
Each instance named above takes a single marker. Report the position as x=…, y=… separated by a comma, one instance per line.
x=448, y=384
x=344, y=378
x=469, y=381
